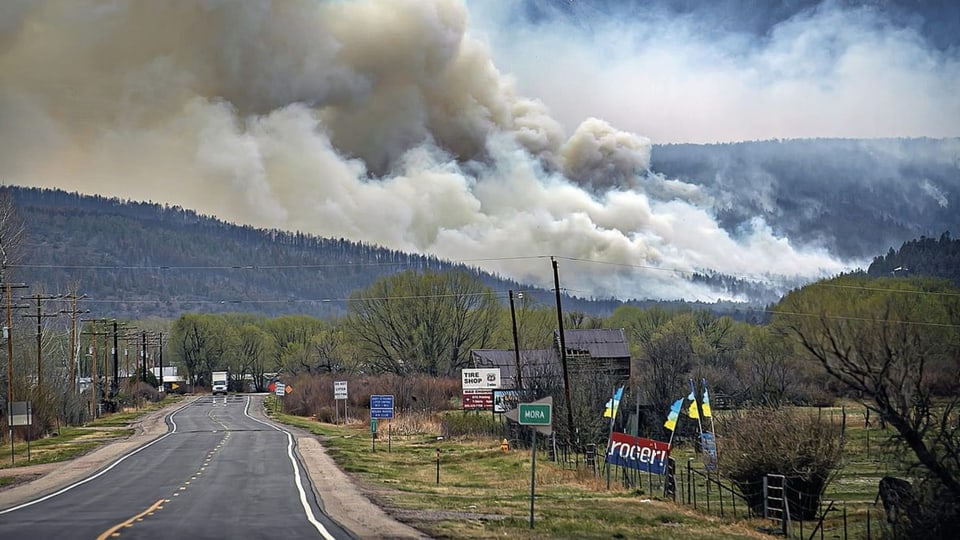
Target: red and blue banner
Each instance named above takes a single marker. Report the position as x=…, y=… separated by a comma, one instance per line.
x=638, y=453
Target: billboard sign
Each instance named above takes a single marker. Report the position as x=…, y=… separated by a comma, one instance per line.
x=505, y=400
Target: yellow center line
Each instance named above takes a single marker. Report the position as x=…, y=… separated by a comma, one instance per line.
x=109, y=532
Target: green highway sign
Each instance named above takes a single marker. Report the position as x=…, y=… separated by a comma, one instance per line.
x=535, y=414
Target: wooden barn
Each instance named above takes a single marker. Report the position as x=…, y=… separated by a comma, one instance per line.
x=588, y=351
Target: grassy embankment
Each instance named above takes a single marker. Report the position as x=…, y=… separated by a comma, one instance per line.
x=484, y=492
x=73, y=441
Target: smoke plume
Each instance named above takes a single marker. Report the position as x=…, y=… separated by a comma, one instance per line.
x=383, y=121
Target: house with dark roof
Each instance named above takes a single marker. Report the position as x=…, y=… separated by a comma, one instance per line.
x=588, y=351
x=597, y=351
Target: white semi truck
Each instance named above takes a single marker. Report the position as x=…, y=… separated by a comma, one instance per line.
x=219, y=380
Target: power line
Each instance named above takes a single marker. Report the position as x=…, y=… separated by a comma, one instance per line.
x=862, y=319
x=336, y=265
x=496, y=294
x=207, y=267
x=882, y=289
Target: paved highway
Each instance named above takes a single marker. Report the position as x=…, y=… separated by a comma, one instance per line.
x=219, y=472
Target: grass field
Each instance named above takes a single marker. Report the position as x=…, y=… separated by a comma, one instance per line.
x=485, y=493
x=480, y=491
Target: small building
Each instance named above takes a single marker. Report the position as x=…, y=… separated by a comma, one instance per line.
x=588, y=351
x=597, y=351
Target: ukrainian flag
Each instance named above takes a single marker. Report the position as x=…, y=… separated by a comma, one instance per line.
x=692, y=412
x=613, y=404
x=706, y=401
x=671, y=422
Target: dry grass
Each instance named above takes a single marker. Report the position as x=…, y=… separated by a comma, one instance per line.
x=485, y=493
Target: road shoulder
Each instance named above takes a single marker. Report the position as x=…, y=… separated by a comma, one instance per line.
x=51, y=477
x=340, y=497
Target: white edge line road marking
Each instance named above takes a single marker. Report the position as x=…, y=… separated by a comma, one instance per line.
x=102, y=472
x=296, y=474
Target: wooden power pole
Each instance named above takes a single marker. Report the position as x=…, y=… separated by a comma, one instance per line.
x=39, y=298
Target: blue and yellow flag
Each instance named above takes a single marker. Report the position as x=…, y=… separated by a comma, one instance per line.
x=705, y=406
x=671, y=422
x=692, y=411
x=613, y=404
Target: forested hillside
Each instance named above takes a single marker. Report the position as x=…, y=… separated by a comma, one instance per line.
x=855, y=198
x=921, y=257
x=136, y=260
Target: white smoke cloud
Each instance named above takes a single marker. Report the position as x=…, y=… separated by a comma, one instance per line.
x=836, y=69
x=382, y=121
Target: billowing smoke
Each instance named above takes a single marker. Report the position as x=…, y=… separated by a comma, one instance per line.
x=735, y=70
x=382, y=121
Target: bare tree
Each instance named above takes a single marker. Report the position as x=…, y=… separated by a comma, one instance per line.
x=666, y=362
x=423, y=323
x=766, y=369
x=880, y=339
x=11, y=234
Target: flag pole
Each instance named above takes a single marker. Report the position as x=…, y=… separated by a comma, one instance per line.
x=672, y=431
x=614, y=405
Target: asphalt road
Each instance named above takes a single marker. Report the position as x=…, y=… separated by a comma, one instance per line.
x=217, y=473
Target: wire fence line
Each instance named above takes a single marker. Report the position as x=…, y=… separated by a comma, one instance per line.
x=712, y=494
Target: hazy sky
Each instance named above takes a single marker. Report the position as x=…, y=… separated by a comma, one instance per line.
x=479, y=132
x=733, y=71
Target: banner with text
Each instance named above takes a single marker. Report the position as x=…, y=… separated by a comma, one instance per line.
x=638, y=453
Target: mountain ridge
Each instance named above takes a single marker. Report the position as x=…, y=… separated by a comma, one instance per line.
x=143, y=259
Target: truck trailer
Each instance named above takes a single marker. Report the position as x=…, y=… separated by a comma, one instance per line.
x=219, y=380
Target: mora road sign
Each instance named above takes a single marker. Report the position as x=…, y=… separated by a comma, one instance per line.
x=535, y=414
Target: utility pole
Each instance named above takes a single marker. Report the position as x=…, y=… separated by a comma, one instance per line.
x=151, y=339
x=114, y=384
x=160, y=358
x=73, y=312
x=143, y=357
x=563, y=350
x=516, y=340
x=94, y=360
x=130, y=334
x=39, y=298
x=153, y=351
x=8, y=334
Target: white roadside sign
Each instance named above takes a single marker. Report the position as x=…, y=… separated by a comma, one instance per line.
x=339, y=389
x=480, y=378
